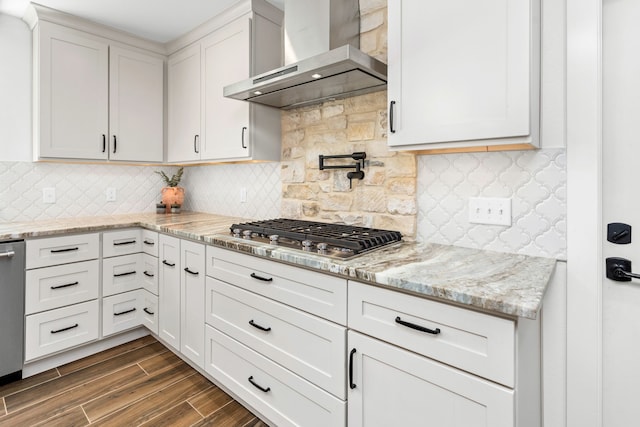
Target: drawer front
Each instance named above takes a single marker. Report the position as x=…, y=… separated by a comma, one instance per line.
x=149, y=305
x=122, y=274
x=472, y=341
x=315, y=293
x=62, y=250
x=60, y=329
x=61, y=285
x=121, y=312
x=150, y=273
x=150, y=242
x=285, y=398
x=124, y=242
x=307, y=345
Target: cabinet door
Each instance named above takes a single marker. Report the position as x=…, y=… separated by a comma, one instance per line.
x=459, y=70
x=169, y=290
x=73, y=94
x=192, y=284
x=135, y=106
x=226, y=60
x=394, y=387
x=184, y=105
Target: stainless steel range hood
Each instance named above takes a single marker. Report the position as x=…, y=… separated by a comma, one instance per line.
x=326, y=73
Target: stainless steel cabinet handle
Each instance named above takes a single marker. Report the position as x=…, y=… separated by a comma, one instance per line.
x=8, y=254
x=244, y=128
x=195, y=143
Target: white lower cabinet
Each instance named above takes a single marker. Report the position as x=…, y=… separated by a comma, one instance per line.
x=192, y=280
x=169, y=290
x=390, y=386
x=55, y=330
x=275, y=392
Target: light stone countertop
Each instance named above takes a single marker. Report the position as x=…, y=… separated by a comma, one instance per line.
x=497, y=282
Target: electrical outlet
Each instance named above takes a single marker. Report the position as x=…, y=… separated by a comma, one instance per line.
x=49, y=195
x=111, y=194
x=243, y=195
x=490, y=210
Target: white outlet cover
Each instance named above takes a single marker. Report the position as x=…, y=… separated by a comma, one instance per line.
x=49, y=195
x=111, y=194
x=490, y=210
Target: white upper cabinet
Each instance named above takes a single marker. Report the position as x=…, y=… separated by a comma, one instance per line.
x=136, y=82
x=94, y=99
x=73, y=88
x=463, y=73
x=203, y=125
x=183, y=75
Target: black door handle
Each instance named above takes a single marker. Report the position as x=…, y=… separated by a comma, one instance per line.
x=64, y=329
x=125, y=312
x=115, y=144
x=264, y=279
x=255, y=325
x=146, y=310
x=351, y=383
x=195, y=144
x=435, y=331
x=128, y=273
x=262, y=389
x=128, y=242
x=165, y=262
x=57, y=251
x=244, y=128
x=195, y=273
x=391, y=105
x=104, y=143
x=146, y=273
x=64, y=286
x=619, y=269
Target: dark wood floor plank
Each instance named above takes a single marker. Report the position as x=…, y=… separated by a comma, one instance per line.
x=256, y=422
x=60, y=403
x=154, y=405
x=51, y=388
x=182, y=415
x=135, y=390
x=104, y=355
x=72, y=418
x=231, y=415
x=24, y=384
x=160, y=362
x=210, y=401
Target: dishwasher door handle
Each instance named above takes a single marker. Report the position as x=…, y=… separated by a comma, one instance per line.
x=8, y=254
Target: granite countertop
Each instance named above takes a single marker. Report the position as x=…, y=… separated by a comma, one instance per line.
x=498, y=282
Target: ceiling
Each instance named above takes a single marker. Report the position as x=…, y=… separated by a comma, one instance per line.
x=155, y=20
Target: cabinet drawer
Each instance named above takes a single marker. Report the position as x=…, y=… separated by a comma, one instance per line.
x=150, y=242
x=307, y=345
x=122, y=274
x=316, y=293
x=150, y=273
x=62, y=250
x=472, y=341
x=285, y=398
x=61, y=285
x=120, y=312
x=60, y=329
x=123, y=242
x=149, y=306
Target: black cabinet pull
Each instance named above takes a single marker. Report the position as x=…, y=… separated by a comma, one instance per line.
x=57, y=251
x=64, y=286
x=244, y=128
x=146, y=273
x=148, y=242
x=128, y=273
x=262, y=389
x=264, y=279
x=146, y=310
x=391, y=105
x=125, y=312
x=195, y=273
x=351, y=384
x=128, y=242
x=104, y=142
x=255, y=325
x=115, y=144
x=435, y=331
x=195, y=143
x=64, y=329
x=164, y=261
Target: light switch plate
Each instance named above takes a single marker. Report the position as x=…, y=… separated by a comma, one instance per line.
x=490, y=210
x=49, y=195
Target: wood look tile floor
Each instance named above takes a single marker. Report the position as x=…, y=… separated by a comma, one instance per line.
x=139, y=383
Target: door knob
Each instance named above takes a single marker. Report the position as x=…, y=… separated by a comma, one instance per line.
x=619, y=269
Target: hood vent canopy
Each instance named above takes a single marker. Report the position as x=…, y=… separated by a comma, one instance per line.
x=322, y=56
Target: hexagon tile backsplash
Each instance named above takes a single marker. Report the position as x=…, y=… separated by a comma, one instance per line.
x=534, y=180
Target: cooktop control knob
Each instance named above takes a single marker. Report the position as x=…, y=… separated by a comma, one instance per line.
x=273, y=239
x=322, y=247
x=246, y=234
x=236, y=232
x=306, y=245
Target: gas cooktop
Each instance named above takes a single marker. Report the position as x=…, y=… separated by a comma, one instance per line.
x=333, y=240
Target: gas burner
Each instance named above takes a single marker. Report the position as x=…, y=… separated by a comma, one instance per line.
x=333, y=240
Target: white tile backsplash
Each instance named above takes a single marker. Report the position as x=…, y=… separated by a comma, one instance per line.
x=534, y=180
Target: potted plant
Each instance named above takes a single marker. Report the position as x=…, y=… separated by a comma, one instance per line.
x=172, y=194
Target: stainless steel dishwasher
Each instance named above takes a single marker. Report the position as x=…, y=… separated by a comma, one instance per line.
x=11, y=310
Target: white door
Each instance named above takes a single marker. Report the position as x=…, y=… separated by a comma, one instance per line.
x=169, y=290
x=192, y=307
x=621, y=203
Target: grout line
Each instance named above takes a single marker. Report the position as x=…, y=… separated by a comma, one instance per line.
x=250, y=421
x=143, y=370
x=195, y=409
x=85, y=413
x=4, y=404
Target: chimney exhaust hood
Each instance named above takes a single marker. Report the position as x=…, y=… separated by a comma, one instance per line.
x=312, y=28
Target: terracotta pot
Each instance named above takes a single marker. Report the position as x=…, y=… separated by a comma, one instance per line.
x=172, y=195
